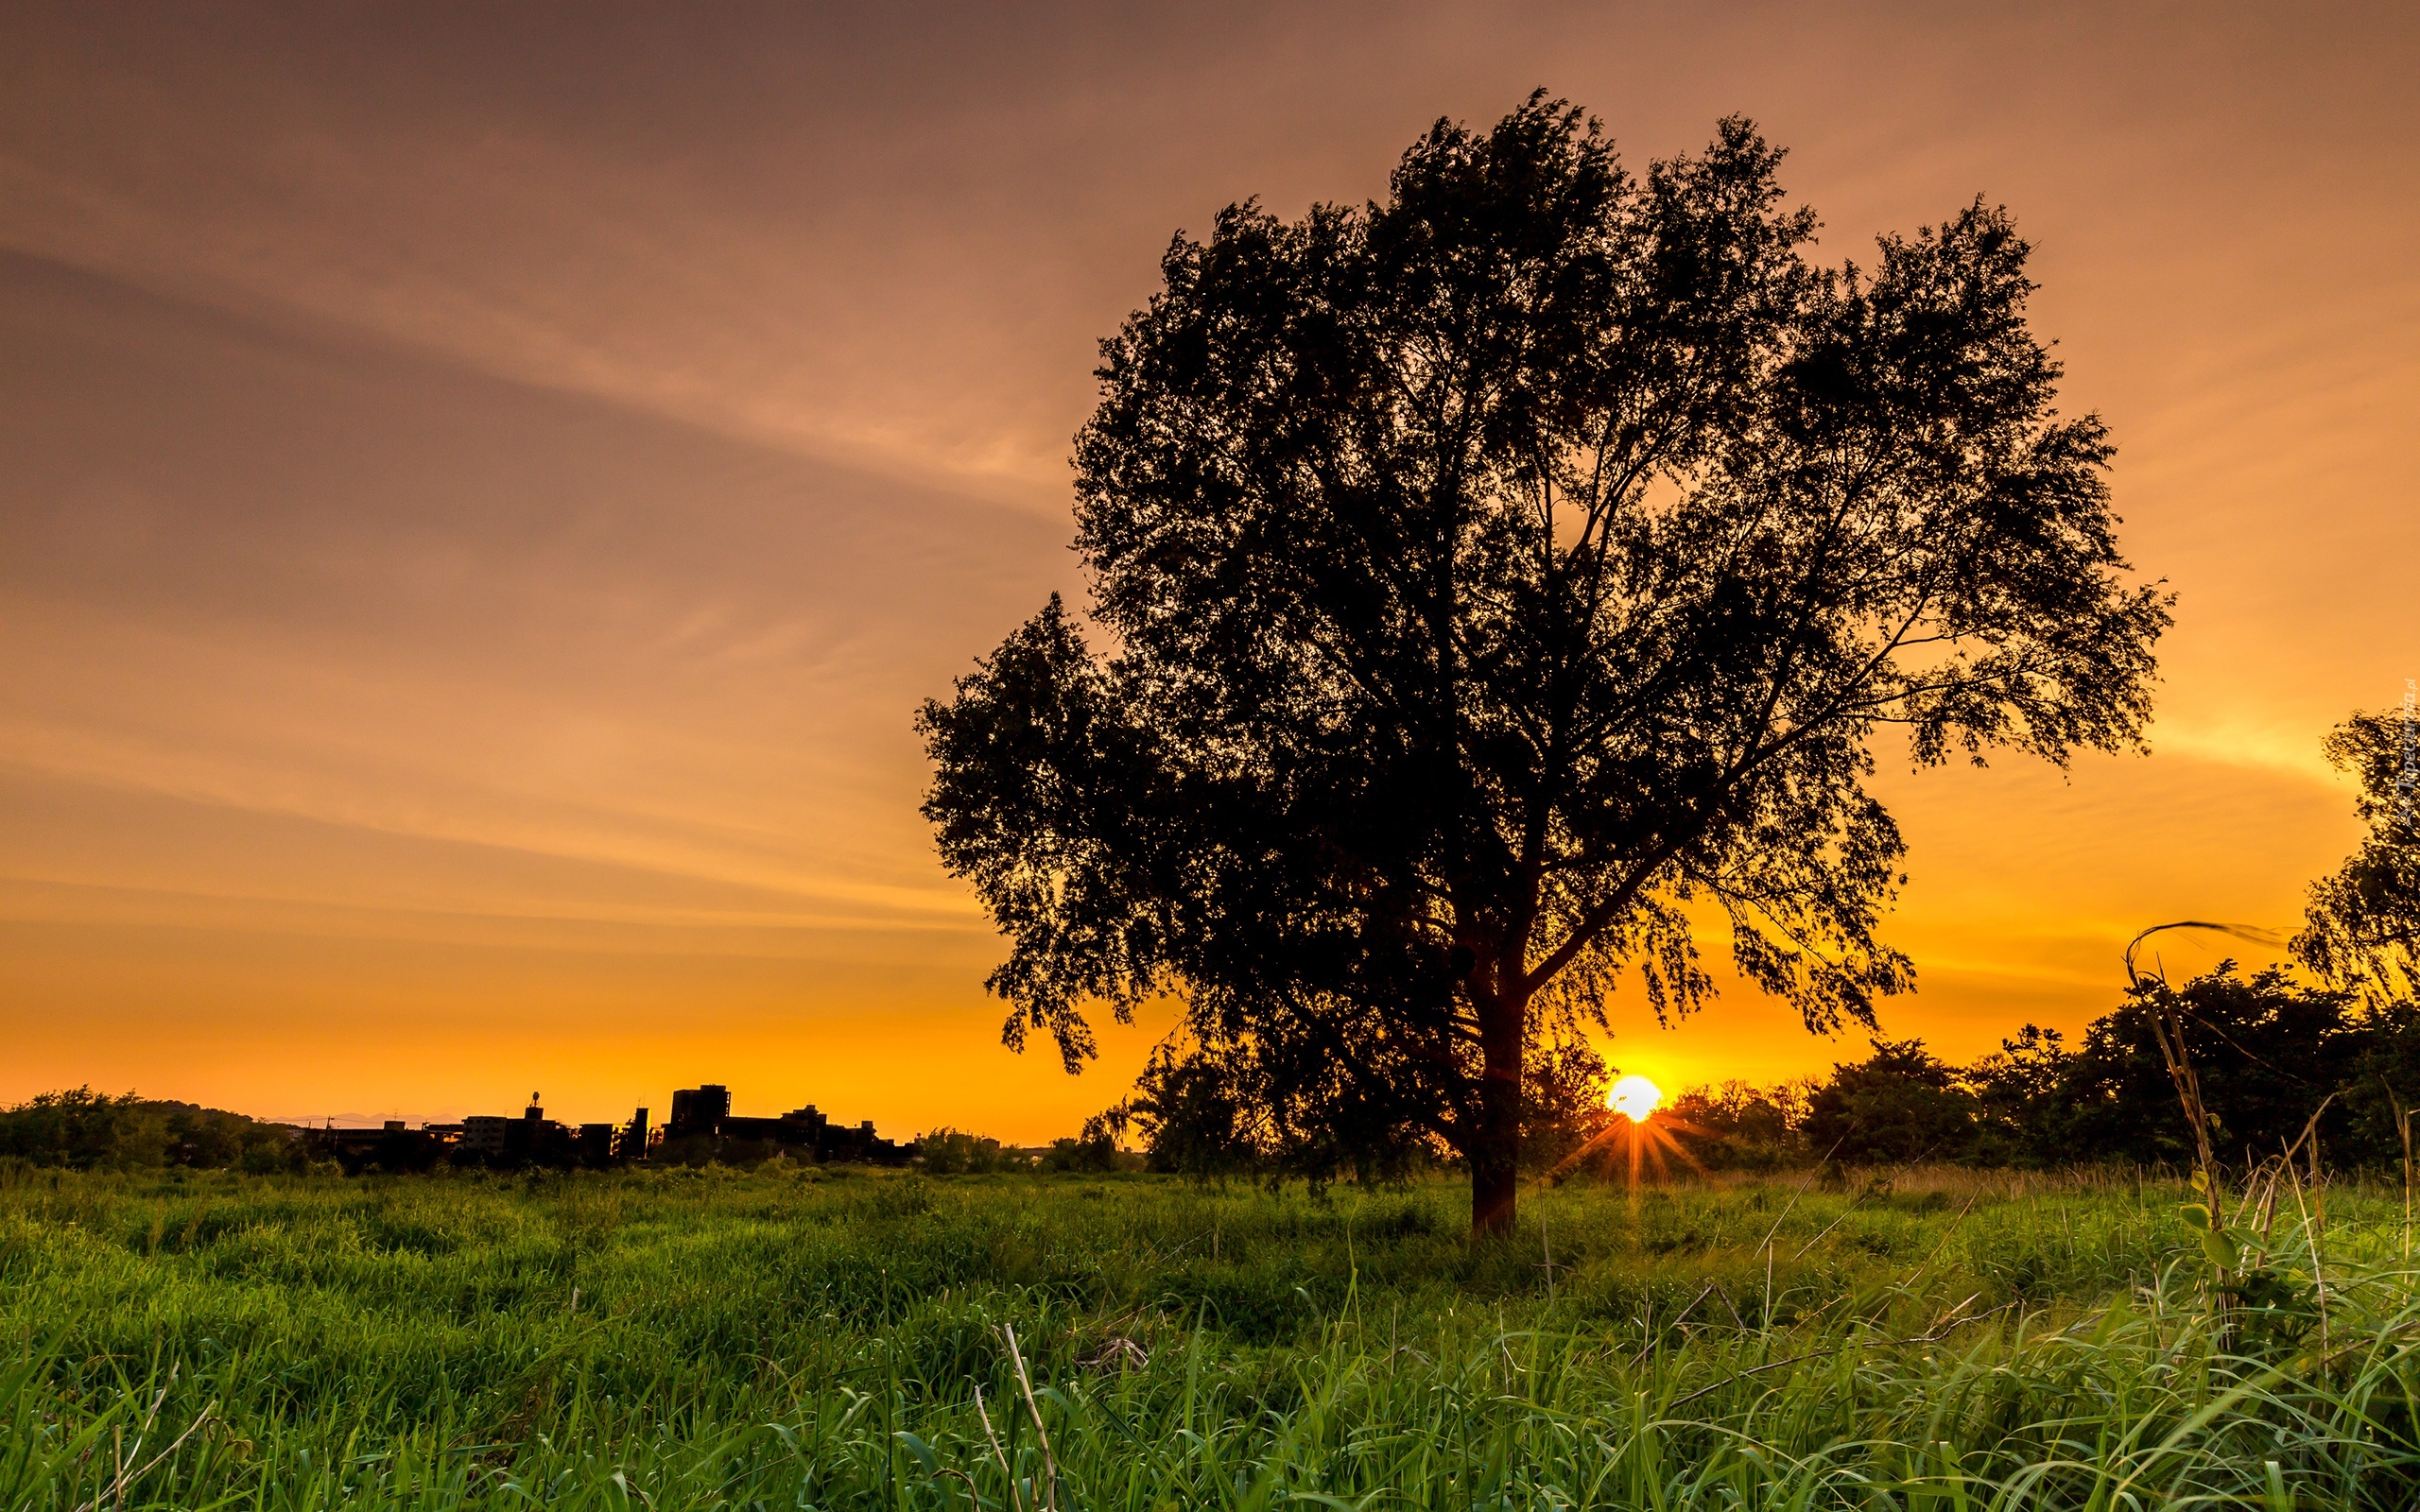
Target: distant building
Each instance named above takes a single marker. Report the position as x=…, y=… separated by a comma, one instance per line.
x=391, y=1146
x=487, y=1134
x=701, y=1127
x=633, y=1141
x=699, y=1111
x=486, y=1138
x=704, y=1114
x=596, y=1145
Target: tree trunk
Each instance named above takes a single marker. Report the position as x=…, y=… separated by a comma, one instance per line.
x=1496, y=1155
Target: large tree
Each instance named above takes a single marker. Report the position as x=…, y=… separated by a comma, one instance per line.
x=1501, y=582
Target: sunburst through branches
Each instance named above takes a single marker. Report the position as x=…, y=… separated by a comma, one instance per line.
x=1637, y=1141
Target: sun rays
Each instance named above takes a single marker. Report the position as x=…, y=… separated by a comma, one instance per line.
x=1635, y=1098
x=1640, y=1138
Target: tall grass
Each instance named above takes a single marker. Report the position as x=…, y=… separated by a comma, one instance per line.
x=727, y=1340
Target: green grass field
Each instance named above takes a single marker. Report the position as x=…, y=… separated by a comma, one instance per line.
x=840, y=1339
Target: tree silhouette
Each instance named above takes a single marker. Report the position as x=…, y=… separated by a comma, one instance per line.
x=2362, y=929
x=1494, y=576
x=1901, y=1105
x=2266, y=1053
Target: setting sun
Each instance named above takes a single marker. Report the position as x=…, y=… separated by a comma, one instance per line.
x=1635, y=1097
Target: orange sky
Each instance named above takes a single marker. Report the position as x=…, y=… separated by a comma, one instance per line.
x=481, y=495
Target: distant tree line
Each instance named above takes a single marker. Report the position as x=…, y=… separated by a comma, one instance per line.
x=952, y=1152
x=2271, y=1052
x=82, y=1130
x=86, y=1130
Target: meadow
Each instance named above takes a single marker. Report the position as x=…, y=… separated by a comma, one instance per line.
x=796, y=1337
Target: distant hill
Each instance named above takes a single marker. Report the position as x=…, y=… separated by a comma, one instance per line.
x=87, y=1130
x=170, y=1105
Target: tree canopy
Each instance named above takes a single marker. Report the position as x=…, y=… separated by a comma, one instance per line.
x=88, y=1130
x=2362, y=929
x=2273, y=1056
x=1495, y=583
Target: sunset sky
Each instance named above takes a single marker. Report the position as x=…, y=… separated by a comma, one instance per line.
x=483, y=490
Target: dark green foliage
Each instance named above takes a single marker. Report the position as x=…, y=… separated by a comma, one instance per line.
x=1901, y=1105
x=1739, y=1126
x=950, y=1151
x=2022, y=1108
x=82, y=1130
x=1194, y=1121
x=1094, y=1152
x=87, y=1131
x=1494, y=573
x=1562, y=1102
x=2362, y=929
x=2268, y=1053
x=2384, y=1085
